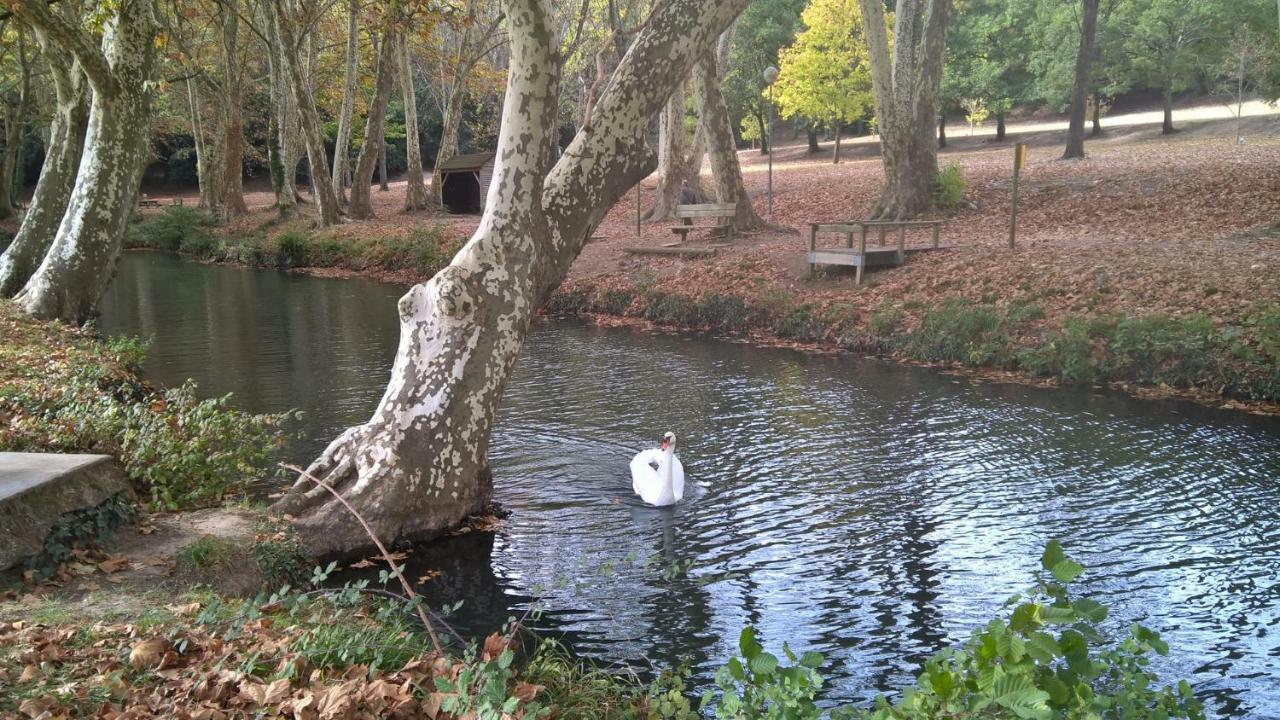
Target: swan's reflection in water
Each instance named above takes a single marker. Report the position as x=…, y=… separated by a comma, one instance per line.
x=870, y=512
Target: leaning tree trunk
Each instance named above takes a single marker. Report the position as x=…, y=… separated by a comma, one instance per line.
x=342, y=146
x=720, y=145
x=312, y=130
x=420, y=464
x=81, y=260
x=415, y=194
x=907, y=85
x=13, y=132
x=57, y=175
x=232, y=107
x=374, y=127
x=1080, y=91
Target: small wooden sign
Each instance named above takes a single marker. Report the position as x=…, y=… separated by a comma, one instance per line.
x=1020, y=155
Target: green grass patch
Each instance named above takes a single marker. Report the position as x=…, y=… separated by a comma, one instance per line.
x=206, y=552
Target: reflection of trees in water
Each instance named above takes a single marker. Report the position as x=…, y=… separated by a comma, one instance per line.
x=677, y=617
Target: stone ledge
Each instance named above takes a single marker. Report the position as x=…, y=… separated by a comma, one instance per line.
x=37, y=488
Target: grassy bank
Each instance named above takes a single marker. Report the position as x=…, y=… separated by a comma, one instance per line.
x=1238, y=360
x=64, y=389
x=414, y=254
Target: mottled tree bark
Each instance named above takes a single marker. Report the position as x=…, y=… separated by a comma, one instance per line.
x=282, y=123
x=15, y=121
x=342, y=145
x=721, y=149
x=312, y=129
x=674, y=161
x=57, y=175
x=448, y=147
x=811, y=134
x=420, y=464
x=415, y=196
x=906, y=86
x=81, y=260
x=1097, y=115
x=1080, y=91
x=374, y=127
x=204, y=179
x=231, y=106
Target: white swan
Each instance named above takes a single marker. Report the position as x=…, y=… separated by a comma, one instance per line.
x=657, y=475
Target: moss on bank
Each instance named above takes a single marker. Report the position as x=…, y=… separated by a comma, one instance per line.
x=420, y=253
x=1238, y=360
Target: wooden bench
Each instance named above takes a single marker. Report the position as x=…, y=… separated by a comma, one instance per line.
x=722, y=211
x=148, y=202
x=861, y=257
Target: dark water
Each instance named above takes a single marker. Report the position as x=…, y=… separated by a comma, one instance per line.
x=871, y=512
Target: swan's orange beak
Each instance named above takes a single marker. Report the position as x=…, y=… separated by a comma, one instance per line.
x=663, y=445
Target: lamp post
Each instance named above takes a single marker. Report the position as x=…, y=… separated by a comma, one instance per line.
x=770, y=77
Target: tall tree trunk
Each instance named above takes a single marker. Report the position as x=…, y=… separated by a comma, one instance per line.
x=1000, y=126
x=203, y=171
x=762, y=124
x=14, y=125
x=1167, y=127
x=942, y=130
x=1080, y=92
x=415, y=195
x=232, y=105
x=420, y=464
x=57, y=175
x=374, y=126
x=312, y=130
x=906, y=94
x=342, y=146
x=448, y=147
x=383, y=186
x=673, y=167
x=282, y=150
x=835, y=158
x=812, y=134
x=721, y=149
x=81, y=260
x=1097, y=115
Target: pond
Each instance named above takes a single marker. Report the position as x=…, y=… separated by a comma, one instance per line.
x=872, y=512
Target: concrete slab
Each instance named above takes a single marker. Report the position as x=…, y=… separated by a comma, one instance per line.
x=37, y=488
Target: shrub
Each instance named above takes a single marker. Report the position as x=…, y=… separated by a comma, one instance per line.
x=178, y=228
x=948, y=187
x=568, y=302
x=1048, y=658
x=800, y=324
x=957, y=332
x=615, y=302
x=722, y=312
x=670, y=309
x=178, y=450
x=293, y=249
x=884, y=322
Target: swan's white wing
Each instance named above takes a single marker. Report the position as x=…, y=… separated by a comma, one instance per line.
x=677, y=478
x=644, y=477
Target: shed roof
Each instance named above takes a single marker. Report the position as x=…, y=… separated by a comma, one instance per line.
x=468, y=162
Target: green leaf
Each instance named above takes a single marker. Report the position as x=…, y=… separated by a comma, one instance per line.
x=1042, y=647
x=1018, y=694
x=736, y=670
x=747, y=644
x=1066, y=570
x=764, y=664
x=943, y=683
x=812, y=660
x=1091, y=610
x=1053, y=555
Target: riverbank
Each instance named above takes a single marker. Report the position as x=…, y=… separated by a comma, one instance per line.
x=1149, y=266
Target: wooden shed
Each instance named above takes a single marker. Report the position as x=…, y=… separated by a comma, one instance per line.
x=465, y=181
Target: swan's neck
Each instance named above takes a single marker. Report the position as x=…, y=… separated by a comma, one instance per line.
x=664, y=467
